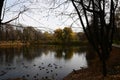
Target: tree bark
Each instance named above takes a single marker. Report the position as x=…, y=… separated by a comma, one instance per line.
x=104, y=68
x=1, y=6
x=100, y=33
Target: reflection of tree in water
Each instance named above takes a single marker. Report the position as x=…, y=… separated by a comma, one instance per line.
x=30, y=52
x=59, y=53
x=7, y=54
x=67, y=52
x=81, y=49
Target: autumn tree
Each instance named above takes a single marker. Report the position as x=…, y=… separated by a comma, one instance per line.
x=18, y=33
x=67, y=34
x=81, y=36
x=29, y=33
x=58, y=33
x=47, y=36
x=38, y=35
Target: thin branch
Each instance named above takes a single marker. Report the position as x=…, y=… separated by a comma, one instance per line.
x=59, y=5
x=117, y=1
x=81, y=20
x=21, y=12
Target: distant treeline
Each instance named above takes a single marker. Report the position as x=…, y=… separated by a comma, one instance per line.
x=30, y=34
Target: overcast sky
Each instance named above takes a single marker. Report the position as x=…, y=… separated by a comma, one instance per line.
x=39, y=15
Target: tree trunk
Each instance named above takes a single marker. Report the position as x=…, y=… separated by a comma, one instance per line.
x=104, y=69
x=1, y=6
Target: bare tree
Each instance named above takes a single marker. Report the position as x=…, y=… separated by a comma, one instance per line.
x=100, y=34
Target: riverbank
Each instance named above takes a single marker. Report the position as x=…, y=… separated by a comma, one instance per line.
x=90, y=74
x=12, y=43
x=20, y=43
x=94, y=72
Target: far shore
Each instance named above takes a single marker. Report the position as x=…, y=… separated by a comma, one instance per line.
x=12, y=43
x=27, y=43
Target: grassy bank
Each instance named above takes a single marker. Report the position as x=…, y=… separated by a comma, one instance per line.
x=12, y=43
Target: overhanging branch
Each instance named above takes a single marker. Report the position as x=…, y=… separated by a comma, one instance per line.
x=21, y=12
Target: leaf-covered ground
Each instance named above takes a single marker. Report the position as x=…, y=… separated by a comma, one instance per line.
x=94, y=71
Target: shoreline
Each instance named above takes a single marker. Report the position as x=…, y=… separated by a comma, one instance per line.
x=87, y=74
x=94, y=70
x=27, y=43
x=12, y=44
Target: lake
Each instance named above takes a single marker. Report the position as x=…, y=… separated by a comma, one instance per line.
x=41, y=62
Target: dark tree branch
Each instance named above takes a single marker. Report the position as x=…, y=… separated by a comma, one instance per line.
x=3, y=14
x=79, y=17
x=21, y=12
x=99, y=34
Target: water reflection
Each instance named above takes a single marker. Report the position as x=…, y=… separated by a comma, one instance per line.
x=53, y=62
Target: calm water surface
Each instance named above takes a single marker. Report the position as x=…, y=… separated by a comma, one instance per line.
x=41, y=62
